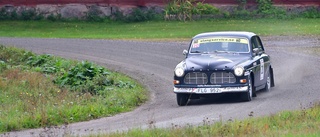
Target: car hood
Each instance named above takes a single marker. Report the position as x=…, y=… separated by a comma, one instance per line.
x=214, y=61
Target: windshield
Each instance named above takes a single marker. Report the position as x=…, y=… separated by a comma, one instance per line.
x=220, y=44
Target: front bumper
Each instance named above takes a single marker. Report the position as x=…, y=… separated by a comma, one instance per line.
x=211, y=90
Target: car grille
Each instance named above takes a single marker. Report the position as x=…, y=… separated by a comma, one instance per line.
x=222, y=78
x=196, y=78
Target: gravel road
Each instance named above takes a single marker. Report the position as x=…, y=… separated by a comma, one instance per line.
x=297, y=80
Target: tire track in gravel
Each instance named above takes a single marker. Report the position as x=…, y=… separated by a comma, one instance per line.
x=152, y=63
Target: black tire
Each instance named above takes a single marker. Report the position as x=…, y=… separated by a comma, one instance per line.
x=247, y=96
x=268, y=83
x=182, y=99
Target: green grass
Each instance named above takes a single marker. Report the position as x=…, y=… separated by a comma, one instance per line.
x=21, y=89
x=289, y=124
x=29, y=97
x=155, y=30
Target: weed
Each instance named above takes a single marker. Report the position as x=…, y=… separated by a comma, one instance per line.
x=30, y=99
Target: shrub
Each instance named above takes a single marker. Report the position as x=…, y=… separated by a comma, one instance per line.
x=94, y=14
x=185, y=9
x=137, y=15
x=28, y=14
x=312, y=12
x=242, y=4
x=205, y=9
x=84, y=76
x=4, y=15
x=53, y=17
x=265, y=6
x=266, y=9
x=242, y=14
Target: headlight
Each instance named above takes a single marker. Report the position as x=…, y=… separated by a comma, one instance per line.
x=179, y=72
x=238, y=70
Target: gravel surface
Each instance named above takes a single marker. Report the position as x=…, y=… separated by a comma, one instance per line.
x=297, y=81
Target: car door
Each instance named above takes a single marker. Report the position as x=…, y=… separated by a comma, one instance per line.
x=261, y=60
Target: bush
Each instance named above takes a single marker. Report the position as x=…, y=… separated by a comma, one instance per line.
x=28, y=14
x=312, y=12
x=185, y=9
x=4, y=15
x=242, y=14
x=85, y=77
x=205, y=9
x=7, y=14
x=95, y=15
x=53, y=17
x=137, y=15
x=265, y=6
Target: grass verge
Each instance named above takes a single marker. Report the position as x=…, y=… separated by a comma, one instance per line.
x=156, y=30
x=289, y=123
x=32, y=96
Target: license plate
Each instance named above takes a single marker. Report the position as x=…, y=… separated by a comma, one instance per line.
x=199, y=90
x=209, y=90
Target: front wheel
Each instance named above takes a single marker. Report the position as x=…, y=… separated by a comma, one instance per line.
x=247, y=96
x=268, y=83
x=182, y=99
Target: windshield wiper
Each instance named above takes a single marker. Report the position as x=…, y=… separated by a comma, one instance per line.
x=197, y=51
x=221, y=51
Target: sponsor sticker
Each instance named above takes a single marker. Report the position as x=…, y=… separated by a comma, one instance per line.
x=236, y=40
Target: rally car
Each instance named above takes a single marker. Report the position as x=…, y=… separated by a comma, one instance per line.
x=223, y=62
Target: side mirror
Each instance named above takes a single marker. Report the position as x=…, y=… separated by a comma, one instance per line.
x=256, y=51
x=185, y=52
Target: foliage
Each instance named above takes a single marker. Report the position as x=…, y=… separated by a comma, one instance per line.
x=266, y=9
x=85, y=77
x=137, y=15
x=242, y=14
x=53, y=17
x=30, y=99
x=24, y=14
x=242, y=4
x=312, y=12
x=264, y=6
x=4, y=14
x=28, y=14
x=181, y=9
x=204, y=9
x=185, y=9
x=95, y=15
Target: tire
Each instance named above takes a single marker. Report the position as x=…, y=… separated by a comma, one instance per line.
x=247, y=96
x=268, y=83
x=182, y=99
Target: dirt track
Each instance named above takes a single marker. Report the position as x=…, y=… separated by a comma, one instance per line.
x=297, y=80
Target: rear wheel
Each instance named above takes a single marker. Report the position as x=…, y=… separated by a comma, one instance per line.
x=247, y=96
x=182, y=99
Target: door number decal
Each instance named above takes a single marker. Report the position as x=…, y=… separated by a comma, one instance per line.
x=261, y=69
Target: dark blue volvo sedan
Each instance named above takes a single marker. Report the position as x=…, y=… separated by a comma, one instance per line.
x=223, y=62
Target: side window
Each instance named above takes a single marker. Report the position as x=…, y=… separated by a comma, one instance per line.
x=256, y=43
